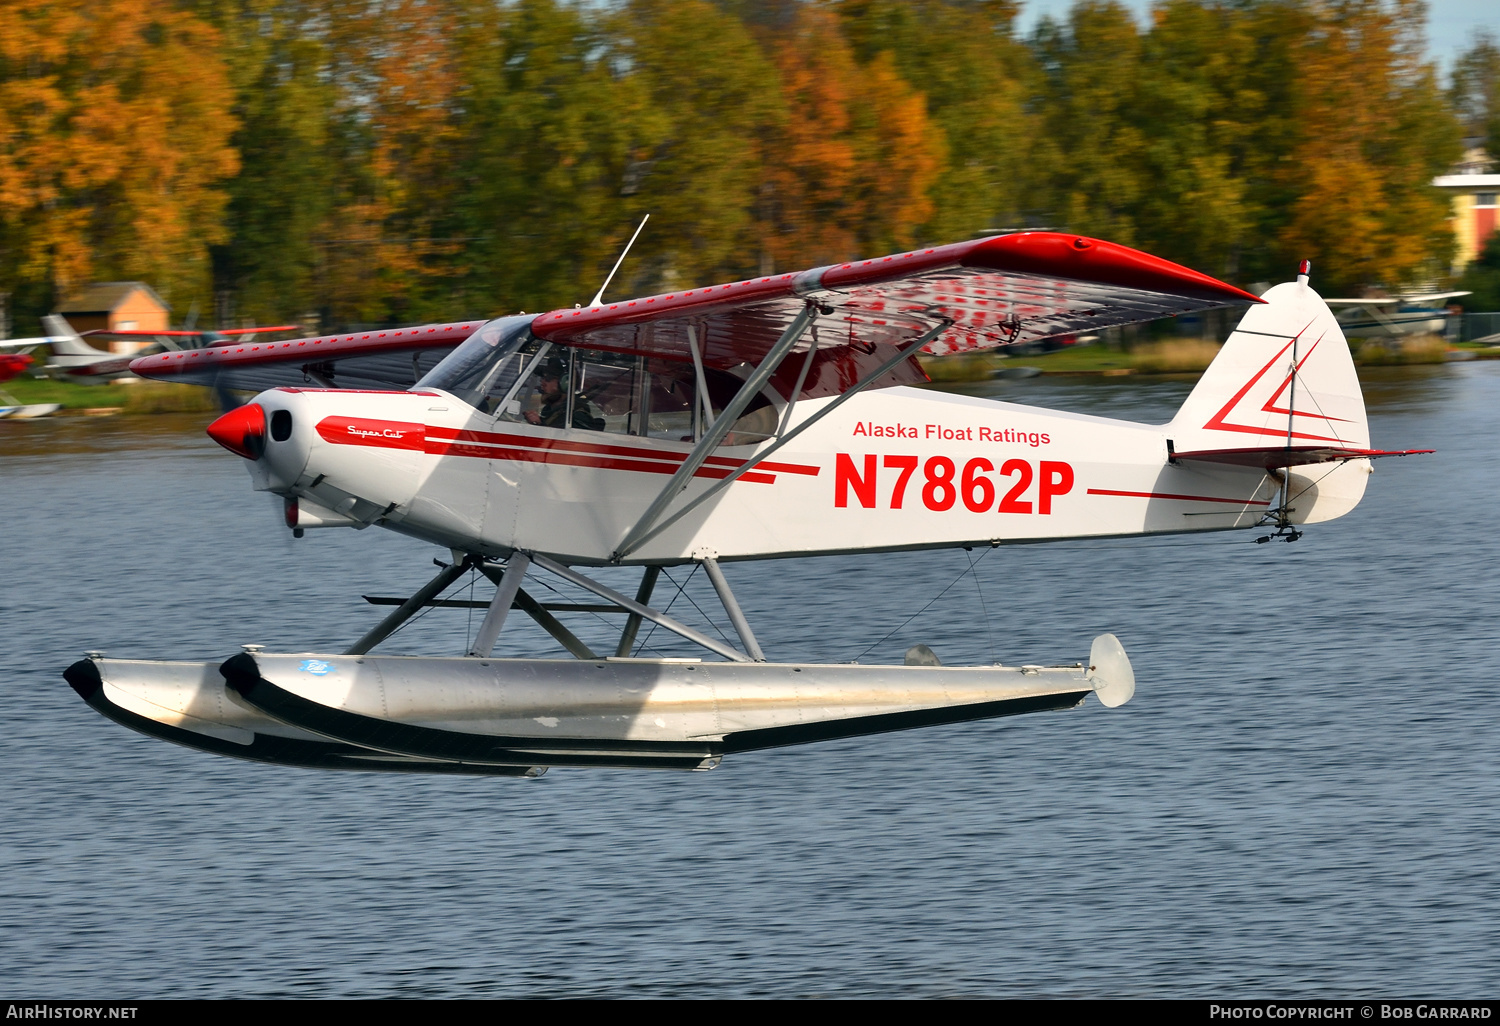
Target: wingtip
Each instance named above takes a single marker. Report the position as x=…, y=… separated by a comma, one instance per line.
x=1070, y=255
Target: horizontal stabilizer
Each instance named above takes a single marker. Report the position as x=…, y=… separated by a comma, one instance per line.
x=1295, y=456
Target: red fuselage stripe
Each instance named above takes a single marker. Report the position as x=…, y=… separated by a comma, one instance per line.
x=437, y=447
x=629, y=452
x=386, y=434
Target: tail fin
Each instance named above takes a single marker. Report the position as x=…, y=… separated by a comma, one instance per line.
x=1283, y=394
x=65, y=341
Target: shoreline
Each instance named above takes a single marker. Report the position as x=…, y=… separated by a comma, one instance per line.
x=1173, y=359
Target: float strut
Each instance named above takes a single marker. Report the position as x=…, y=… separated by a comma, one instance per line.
x=736, y=616
x=505, y=595
x=385, y=628
x=696, y=637
x=538, y=612
x=633, y=623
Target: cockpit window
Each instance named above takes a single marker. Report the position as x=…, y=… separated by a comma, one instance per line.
x=550, y=395
x=608, y=389
x=485, y=366
x=504, y=371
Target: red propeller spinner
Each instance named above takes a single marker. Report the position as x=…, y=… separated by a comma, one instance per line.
x=242, y=431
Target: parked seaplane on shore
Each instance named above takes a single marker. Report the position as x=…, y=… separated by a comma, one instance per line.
x=75, y=360
x=768, y=418
x=1417, y=312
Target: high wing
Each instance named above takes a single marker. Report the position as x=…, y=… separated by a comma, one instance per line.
x=392, y=358
x=970, y=295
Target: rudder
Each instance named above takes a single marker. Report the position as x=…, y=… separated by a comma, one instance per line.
x=1251, y=405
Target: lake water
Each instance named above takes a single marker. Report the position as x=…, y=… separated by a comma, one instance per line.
x=1300, y=800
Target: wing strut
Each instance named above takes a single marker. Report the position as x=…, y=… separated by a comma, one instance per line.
x=875, y=375
x=703, y=415
x=721, y=427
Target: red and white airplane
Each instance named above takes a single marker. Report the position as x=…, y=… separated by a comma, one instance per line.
x=751, y=420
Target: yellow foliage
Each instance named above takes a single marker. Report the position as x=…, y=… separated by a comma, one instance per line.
x=858, y=154
x=114, y=139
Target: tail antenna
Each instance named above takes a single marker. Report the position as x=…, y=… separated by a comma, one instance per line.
x=599, y=296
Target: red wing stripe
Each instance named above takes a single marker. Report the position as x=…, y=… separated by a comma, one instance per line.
x=1172, y=495
x=787, y=468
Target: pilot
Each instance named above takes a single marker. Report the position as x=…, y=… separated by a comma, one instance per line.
x=554, y=402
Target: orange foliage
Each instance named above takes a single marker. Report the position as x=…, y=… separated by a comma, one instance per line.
x=382, y=239
x=852, y=167
x=1361, y=170
x=115, y=124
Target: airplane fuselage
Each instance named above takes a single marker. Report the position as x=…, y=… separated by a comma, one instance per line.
x=895, y=469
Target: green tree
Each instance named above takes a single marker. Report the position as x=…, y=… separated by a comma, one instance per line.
x=269, y=266
x=1089, y=136
x=714, y=103
x=549, y=128
x=1475, y=92
x=1186, y=112
x=1482, y=278
x=976, y=78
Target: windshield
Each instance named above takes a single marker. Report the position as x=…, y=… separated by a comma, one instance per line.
x=485, y=364
x=506, y=372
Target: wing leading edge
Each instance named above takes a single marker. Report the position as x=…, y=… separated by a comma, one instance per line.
x=393, y=358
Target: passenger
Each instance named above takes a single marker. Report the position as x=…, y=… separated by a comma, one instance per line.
x=554, y=402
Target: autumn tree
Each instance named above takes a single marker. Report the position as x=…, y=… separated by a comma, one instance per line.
x=350, y=132
x=976, y=79
x=112, y=158
x=1373, y=131
x=1239, y=136
x=852, y=169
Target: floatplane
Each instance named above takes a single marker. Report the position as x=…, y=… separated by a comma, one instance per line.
x=769, y=418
